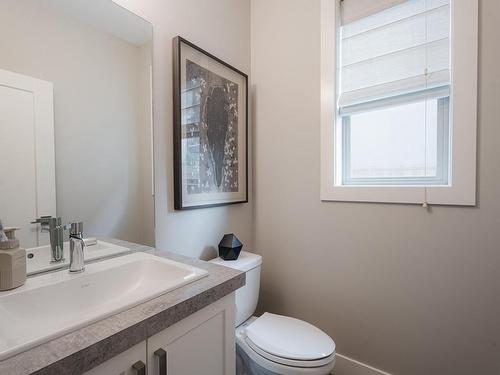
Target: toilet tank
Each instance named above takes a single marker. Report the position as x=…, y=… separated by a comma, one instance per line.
x=248, y=295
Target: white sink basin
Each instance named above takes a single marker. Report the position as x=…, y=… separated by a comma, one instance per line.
x=38, y=259
x=54, y=304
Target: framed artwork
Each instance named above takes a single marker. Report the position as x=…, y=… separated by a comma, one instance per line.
x=210, y=129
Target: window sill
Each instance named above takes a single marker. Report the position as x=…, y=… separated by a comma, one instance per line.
x=440, y=195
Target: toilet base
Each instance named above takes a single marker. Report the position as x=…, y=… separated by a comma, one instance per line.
x=245, y=366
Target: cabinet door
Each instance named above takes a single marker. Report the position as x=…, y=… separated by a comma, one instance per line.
x=131, y=362
x=203, y=343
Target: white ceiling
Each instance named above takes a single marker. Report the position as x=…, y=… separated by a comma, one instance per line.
x=107, y=16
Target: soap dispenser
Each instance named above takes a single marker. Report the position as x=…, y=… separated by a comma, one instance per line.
x=12, y=260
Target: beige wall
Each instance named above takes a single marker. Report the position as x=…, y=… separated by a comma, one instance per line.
x=103, y=172
x=221, y=27
x=409, y=291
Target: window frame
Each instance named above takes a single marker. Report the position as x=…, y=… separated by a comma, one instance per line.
x=461, y=189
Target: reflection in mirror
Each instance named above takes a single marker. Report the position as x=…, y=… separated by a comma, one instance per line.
x=75, y=123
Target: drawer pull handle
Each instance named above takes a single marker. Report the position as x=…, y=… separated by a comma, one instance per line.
x=139, y=367
x=162, y=360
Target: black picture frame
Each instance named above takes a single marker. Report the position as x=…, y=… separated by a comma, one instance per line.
x=180, y=201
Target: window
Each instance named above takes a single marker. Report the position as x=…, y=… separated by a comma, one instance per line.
x=391, y=123
x=394, y=95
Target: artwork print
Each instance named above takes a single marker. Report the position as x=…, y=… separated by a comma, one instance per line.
x=212, y=122
x=210, y=129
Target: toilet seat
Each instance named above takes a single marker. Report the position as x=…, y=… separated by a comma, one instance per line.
x=272, y=363
x=291, y=362
x=289, y=341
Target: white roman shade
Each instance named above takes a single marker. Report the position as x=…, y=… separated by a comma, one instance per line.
x=400, y=53
x=353, y=10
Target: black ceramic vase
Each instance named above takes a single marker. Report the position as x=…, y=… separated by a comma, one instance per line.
x=230, y=247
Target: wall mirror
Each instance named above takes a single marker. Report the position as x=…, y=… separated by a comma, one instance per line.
x=75, y=120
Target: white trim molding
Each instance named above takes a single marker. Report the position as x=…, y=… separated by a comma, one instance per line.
x=461, y=189
x=347, y=366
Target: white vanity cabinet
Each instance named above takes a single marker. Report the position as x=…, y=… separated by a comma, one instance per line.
x=202, y=343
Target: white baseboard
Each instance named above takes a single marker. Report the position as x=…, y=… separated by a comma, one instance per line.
x=348, y=366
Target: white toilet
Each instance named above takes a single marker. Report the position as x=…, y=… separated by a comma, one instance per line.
x=274, y=344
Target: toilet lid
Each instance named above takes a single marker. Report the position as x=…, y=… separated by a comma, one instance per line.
x=289, y=338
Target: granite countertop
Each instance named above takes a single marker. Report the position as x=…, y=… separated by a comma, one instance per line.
x=87, y=347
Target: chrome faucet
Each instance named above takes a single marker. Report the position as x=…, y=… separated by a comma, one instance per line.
x=53, y=226
x=76, y=245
